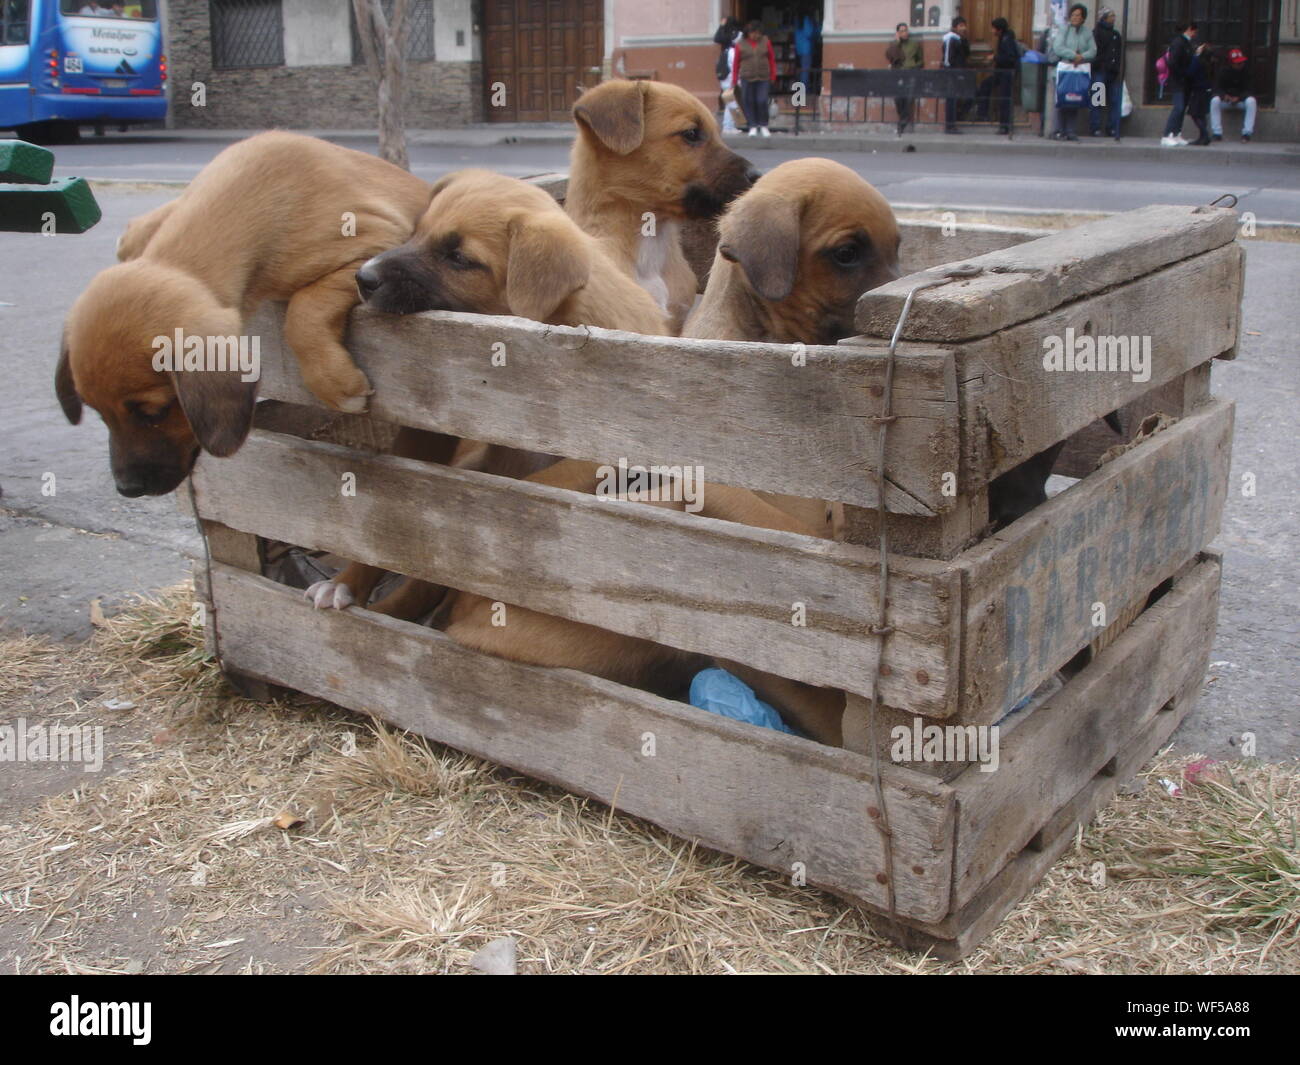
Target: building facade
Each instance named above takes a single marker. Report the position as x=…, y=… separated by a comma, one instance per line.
x=296, y=63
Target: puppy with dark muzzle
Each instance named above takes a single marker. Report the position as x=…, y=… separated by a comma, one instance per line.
x=794, y=254
x=487, y=244
x=648, y=157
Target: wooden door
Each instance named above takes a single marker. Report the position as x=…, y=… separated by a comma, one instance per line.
x=536, y=54
x=979, y=15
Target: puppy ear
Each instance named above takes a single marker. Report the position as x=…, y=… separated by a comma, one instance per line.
x=761, y=235
x=615, y=115
x=548, y=262
x=218, y=406
x=64, y=387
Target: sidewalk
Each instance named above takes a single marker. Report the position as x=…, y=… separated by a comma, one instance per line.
x=972, y=141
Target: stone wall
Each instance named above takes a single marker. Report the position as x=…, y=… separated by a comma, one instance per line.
x=438, y=94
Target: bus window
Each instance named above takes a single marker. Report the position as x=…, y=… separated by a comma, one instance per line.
x=136, y=9
x=13, y=21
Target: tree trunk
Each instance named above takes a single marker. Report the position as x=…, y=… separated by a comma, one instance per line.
x=383, y=44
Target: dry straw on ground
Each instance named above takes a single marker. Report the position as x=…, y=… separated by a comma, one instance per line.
x=410, y=857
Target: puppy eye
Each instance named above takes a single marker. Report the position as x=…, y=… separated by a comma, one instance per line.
x=846, y=254
x=145, y=417
x=693, y=135
x=459, y=259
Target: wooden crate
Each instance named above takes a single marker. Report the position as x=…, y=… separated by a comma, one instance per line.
x=981, y=623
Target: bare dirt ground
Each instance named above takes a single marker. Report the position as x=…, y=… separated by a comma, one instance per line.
x=408, y=857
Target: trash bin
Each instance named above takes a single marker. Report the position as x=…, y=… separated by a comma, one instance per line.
x=1032, y=72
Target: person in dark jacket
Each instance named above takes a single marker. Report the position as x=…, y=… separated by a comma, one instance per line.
x=956, y=56
x=1181, y=50
x=725, y=38
x=1198, y=87
x=1107, y=69
x=1232, y=90
x=904, y=53
x=998, y=85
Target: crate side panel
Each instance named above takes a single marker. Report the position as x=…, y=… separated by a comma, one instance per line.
x=1030, y=590
x=690, y=582
x=1065, y=742
x=781, y=418
x=763, y=796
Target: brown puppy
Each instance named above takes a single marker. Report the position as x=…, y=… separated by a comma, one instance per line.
x=491, y=244
x=277, y=216
x=794, y=254
x=140, y=230
x=487, y=244
x=647, y=157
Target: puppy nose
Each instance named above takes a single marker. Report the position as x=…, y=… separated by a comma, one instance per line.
x=367, y=280
x=132, y=488
x=752, y=175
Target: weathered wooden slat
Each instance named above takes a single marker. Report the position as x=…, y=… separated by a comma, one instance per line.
x=1175, y=397
x=962, y=931
x=1012, y=407
x=694, y=583
x=747, y=413
x=927, y=244
x=1057, y=749
x=1030, y=589
x=764, y=796
x=1029, y=280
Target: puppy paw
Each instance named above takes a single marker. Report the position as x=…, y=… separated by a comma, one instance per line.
x=330, y=595
x=345, y=390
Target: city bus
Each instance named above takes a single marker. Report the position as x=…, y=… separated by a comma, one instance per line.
x=68, y=63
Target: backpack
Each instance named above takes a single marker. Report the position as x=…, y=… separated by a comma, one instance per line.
x=1162, y=69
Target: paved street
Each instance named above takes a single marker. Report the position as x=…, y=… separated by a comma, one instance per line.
x=59, y=551
x=1032, y=174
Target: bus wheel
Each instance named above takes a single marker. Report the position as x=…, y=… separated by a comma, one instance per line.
x=51, y=131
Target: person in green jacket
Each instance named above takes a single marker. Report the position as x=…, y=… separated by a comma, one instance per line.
x=904, y=53
x=1073, y=44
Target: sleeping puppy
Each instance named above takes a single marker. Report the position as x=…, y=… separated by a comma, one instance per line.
x=491, y=244
x=279, y=216
x=487, y=244
x=794, y=254
x=648, y=157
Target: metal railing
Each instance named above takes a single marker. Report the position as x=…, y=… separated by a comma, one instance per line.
x=854, y=97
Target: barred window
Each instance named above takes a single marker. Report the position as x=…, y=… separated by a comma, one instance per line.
x=246, y=33
x=419, y=32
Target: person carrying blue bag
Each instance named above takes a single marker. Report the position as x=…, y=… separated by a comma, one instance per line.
x=1074, y=49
